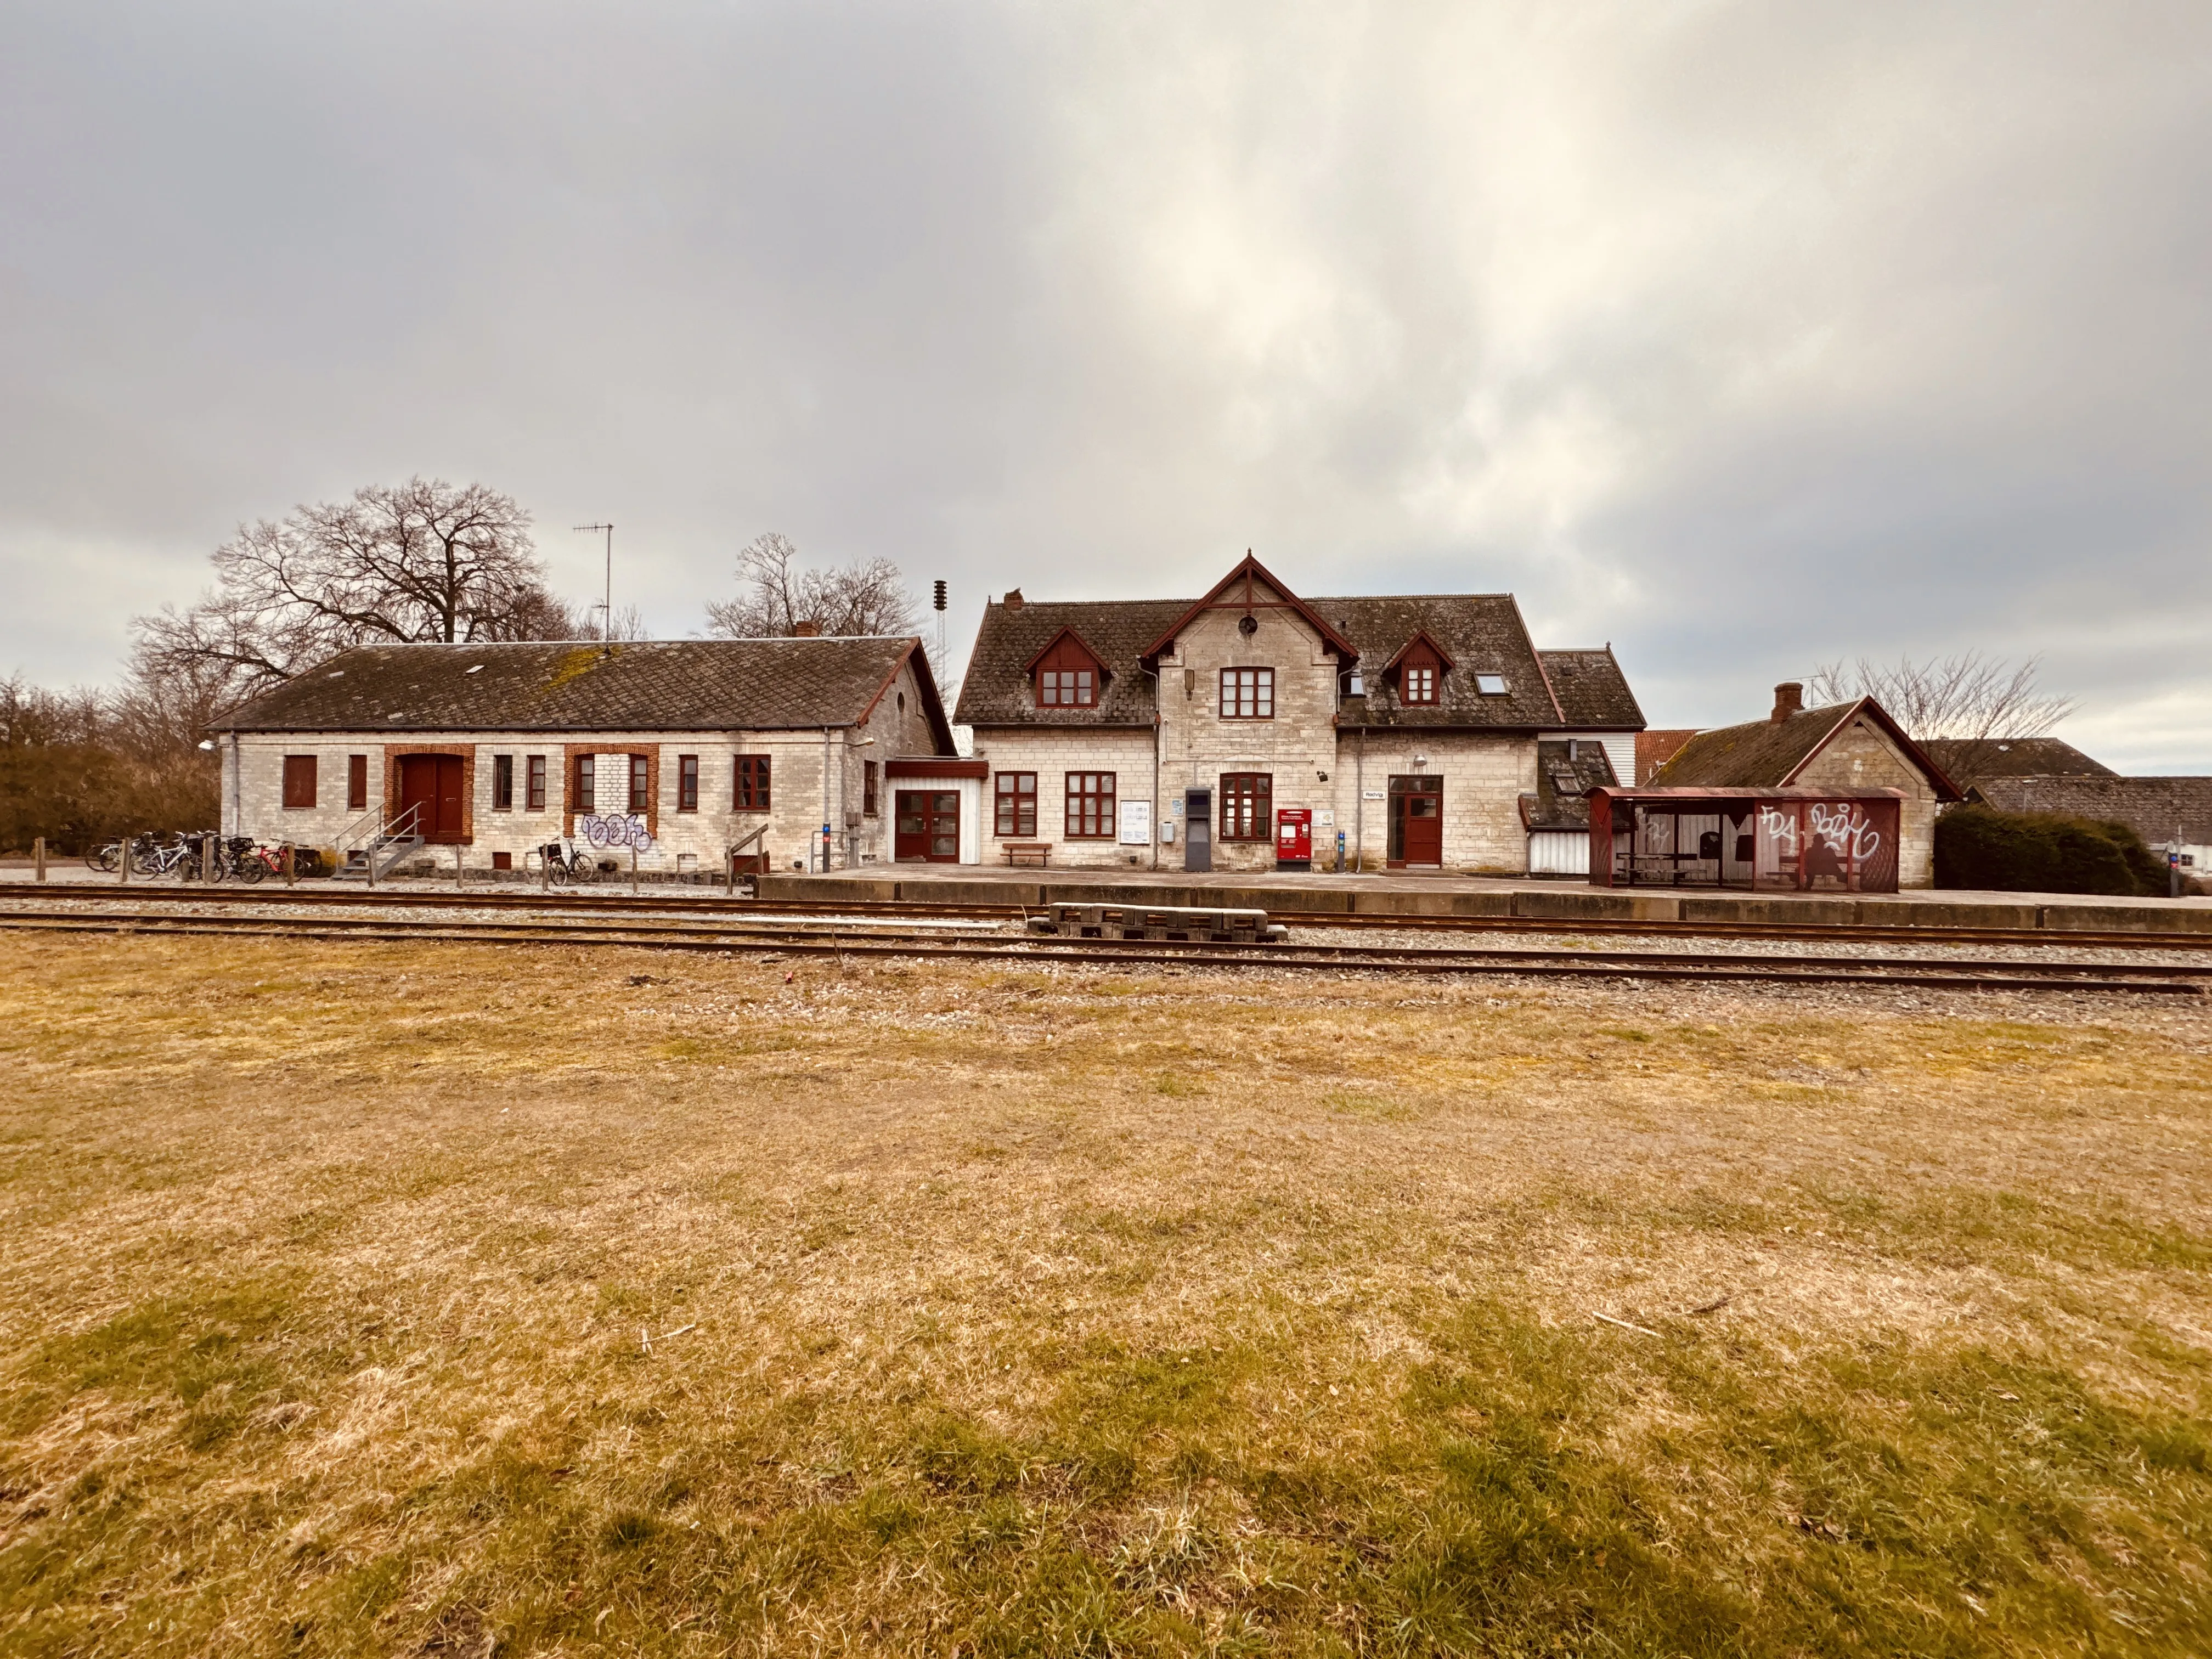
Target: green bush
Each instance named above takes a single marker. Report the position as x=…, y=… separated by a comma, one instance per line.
x=2043, y=853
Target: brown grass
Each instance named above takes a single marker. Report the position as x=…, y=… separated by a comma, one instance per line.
x=1040, y=1311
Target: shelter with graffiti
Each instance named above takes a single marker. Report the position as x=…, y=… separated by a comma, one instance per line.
x=1834, y=800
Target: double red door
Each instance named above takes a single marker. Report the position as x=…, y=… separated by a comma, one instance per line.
x=927, y=826
x=430, y=787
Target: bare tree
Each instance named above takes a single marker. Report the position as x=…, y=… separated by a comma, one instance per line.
x=421, y=561
x=1979, y=700
x=858, y=598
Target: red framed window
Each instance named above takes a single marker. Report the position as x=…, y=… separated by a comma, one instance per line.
x=1090, y=806
x=1016, y=805
x=750, y=794
x=640, y=784
x=587, y=783
x=872, y=797
x=534, y=794
x=356, y=783
x=502, y=783
x=1419, y=681
x=299, y=782
x=1248, y=694
x=1247, y=806
x=1067, y=688
x=687, y=783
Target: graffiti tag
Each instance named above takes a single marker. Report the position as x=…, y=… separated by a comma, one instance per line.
x=615, y=829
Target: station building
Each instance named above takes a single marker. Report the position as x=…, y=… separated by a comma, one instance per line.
x=678, y=751
x=1251, y=728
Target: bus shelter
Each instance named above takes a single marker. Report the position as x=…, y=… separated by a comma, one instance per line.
x=1800, y=840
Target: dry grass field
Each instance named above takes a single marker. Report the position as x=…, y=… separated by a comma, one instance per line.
x=459, y=1300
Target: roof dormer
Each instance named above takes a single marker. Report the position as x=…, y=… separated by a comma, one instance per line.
x=1418, y=671
x=1066, y=674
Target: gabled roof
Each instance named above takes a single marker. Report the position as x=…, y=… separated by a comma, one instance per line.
x=1249, y=571
x=1770, y=754
x=1044, y=650
x=1592, y=692
x=1420, y=637
x=664, y=686
x=2153, y=807
x=997, y=691
x=1482, y=632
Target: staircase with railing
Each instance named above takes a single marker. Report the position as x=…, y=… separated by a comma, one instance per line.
x=373, y=843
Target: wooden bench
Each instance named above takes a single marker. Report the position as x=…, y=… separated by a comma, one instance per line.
x=1028, y=852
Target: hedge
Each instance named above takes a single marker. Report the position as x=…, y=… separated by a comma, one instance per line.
x=2043, y=853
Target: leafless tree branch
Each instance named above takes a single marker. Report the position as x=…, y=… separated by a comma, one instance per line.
x=1981, y=701
x=778, y=594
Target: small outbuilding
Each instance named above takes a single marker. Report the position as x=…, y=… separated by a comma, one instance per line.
x=1809, y=799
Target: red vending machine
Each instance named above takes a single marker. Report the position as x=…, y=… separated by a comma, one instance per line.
x=1294, y=838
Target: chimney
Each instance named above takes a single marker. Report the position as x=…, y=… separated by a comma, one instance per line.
x=806, y=630
x=1789, y=698
x=1013, y=599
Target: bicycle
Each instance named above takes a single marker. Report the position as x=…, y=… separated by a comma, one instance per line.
x=109, y=859
x=562, y=867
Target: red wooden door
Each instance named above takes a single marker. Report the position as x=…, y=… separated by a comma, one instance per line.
x=927, y=826
x=1417, y=823
x=430, y=787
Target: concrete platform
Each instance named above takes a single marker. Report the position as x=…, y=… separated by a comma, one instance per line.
x=1478, y=896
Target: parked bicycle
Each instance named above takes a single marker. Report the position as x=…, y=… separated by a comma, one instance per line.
x=109, y=859
x=566, y=864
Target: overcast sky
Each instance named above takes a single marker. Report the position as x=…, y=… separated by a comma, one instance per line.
x=1743, y=336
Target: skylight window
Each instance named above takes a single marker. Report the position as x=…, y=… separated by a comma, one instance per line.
x=1490, y=685
x=478, y=669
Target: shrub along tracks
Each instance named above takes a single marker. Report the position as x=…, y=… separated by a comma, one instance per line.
x=900, y=931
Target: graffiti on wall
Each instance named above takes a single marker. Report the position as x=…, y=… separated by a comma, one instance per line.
x=615, y=829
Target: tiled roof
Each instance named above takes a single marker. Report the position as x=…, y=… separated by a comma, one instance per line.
x=1593, y=692
x=1970, y=760
x=1482, y=632
x=674, y=685
x=1759, y=755
x=1654, y=749
x=2153, y=807
x=1563, y=783
x=1768, y=753
x=998, y=692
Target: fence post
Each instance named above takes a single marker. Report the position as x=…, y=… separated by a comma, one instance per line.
x=287, y=864
x=207, y=861
x=129, y=842
x=633, y=869
x=545, y=871
x=38, y=857
x=458, y=883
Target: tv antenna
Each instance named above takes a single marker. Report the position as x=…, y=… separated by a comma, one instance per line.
x=606, y=608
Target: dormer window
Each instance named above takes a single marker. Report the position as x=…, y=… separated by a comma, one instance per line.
x=1417, y=671
x=1066, y=674
x=1066, y=688
x=1420, y=683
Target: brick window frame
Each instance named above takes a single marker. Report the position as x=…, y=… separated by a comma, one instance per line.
x=395, y=752
x=572, y=752
x=639, y=795
x=749, y=784
x=1245, y=806
x=298, y=783
x=1090, y=810
x=1013, y=805
x=1248, y=694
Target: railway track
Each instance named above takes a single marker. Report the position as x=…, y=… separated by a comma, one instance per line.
x=695, y=902
x=872, y=938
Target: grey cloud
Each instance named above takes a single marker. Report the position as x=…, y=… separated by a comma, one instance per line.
x=1743, y=337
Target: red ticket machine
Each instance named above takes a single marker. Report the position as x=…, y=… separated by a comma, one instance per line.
x=1294, y=838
